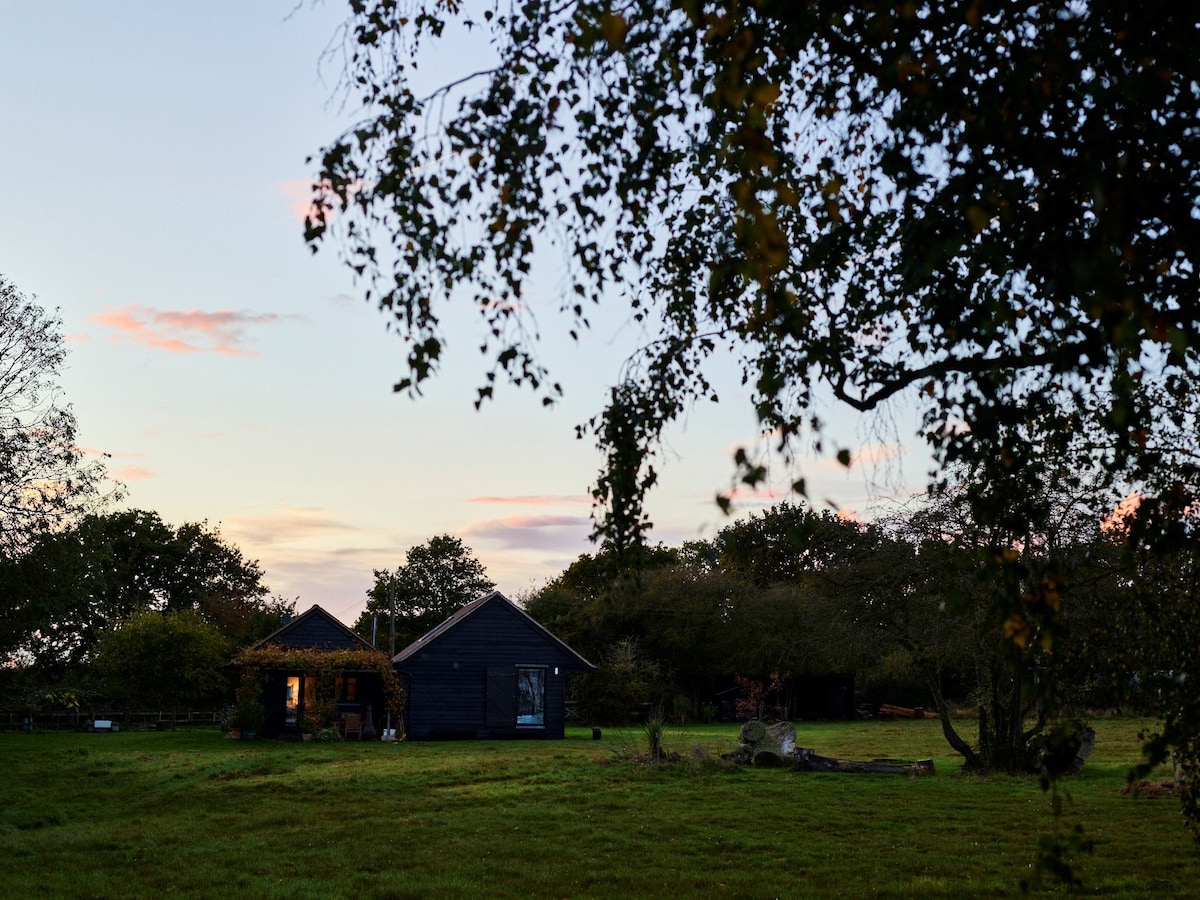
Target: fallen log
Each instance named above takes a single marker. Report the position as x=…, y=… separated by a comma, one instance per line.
x=918, y=712
x=806, y=760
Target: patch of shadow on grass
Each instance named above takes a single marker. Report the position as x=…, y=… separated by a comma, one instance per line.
x=258, y=770
x=29, y=820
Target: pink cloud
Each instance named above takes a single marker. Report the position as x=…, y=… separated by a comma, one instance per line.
x=191, y=331
x=876, y=453
x=534, y=500
x=132, y=473
x=301, y=196
x=1116, y=520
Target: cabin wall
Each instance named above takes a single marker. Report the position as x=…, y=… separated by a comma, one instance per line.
x=447, y=683
x=315, y=632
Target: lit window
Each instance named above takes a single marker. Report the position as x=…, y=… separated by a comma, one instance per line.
x=291, y=700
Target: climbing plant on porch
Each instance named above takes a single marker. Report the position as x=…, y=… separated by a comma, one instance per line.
x=321, y=665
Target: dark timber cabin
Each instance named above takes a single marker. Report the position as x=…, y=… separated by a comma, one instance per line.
x=359, y=692
x=488, y=671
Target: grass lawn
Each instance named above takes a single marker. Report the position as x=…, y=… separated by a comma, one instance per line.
x=145, y=814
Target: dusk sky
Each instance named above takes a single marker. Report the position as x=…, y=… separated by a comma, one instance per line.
x=154, y=182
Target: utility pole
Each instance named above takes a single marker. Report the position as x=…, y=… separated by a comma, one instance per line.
x=392, y=597
x=390, y=733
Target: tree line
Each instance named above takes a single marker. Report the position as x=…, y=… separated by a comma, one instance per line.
x=98, y=604
x=907, y=604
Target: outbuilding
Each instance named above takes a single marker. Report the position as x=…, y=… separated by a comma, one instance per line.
x=315, y=672
x=488, y=671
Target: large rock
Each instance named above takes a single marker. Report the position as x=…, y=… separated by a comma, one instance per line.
x=767, y=745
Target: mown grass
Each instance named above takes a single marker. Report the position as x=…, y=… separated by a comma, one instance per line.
x=144, y=814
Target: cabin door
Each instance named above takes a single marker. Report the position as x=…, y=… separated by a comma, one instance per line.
x=291, y=701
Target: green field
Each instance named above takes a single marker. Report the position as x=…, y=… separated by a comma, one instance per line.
x=146, y=814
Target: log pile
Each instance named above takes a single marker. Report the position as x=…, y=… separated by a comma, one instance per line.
x=888, y=710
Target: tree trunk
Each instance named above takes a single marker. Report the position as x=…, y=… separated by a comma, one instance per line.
x=970, y=757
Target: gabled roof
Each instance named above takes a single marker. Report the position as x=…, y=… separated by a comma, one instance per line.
x=474, y=606
x=315, y=620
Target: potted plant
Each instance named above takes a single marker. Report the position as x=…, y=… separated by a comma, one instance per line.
x=249, y=718
x=308, y=727
x=318, y=713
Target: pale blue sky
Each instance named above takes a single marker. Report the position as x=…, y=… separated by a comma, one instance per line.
x=152, y=164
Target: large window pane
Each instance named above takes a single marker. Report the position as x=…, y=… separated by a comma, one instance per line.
x=531, y=696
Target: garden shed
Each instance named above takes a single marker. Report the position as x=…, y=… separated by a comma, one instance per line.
x=314, y=672
x=488, y=671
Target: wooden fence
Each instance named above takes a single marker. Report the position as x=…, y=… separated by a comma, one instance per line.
x=130, y=720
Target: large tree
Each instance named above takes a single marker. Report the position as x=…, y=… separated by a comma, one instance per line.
x=435, y=579
x=988, y=208
x=45, y=479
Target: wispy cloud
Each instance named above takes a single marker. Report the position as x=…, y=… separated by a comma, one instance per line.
x=132, y=473
x=96, y=451
x=871, y=454
x=521, y=532
x=302, y=195
x=345, y=301
x=192, y=331
x=760, y=496
x=125, y=472
x=534, y=500
x=289, y=525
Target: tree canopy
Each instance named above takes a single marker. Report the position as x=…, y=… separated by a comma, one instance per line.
x=164, y=659
x=435, y=579
x=45, y=480
x=72, y=585
x=987, y=207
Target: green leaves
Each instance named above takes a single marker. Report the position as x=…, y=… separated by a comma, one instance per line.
x=436, y=578
x=164, y=659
